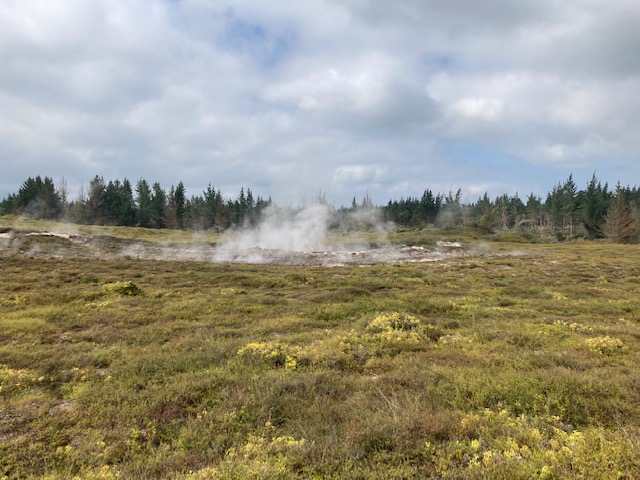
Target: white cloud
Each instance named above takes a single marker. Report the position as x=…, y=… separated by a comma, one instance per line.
x=483, y=108
x=290, y=98
x=358, y=174
x=368, y=92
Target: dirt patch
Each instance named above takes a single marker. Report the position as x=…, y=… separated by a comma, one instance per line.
x=339, y=256
x=53, y=244
x=64, y=236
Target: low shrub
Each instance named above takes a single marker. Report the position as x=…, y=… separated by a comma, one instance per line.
x=123, y=288
x=606, y=345
x=271, y=354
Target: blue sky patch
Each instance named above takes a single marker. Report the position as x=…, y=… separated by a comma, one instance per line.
x=266, y=47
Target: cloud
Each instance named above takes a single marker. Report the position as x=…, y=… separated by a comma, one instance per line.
x=346, y=97
x=365, y=93
x=359, y=174
x=486, y=109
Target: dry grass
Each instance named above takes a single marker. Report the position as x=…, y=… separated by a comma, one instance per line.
x=499, y=366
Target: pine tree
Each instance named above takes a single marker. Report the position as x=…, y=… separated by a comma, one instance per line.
x=28, y=195
x=502, y=211
x=180, y=201
x=517, y=210
x=485, y=214
x=111, y=202
x=195, y=217
x=534, y=210
x=62, y=190
x=8, y=204
x=429, y=207
x=143, y=201
x=251, y=214
x=219, y=212
x=158, y=206
x=38, y=198
x=171, y=210
x=593, y=207
x=127, y=209
x=211, y=207
x=569, y=204
x=95, y=200
x=554, y=206
x=50, y=201
x=452, y=210
x=618, y=224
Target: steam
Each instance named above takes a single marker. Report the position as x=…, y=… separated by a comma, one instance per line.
x=280, y=229
x=365, y=219
x=317, y=235
x=301, y=237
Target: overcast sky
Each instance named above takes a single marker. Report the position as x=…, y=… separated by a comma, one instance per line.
x=347, y=97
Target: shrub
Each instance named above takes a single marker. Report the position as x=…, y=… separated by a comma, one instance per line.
x=123, y=288
x=16, y=380
x=261, y=456
x=500, y=445
x=606, y=345
x=272, y=354
x=393, y=322
x=389, y=333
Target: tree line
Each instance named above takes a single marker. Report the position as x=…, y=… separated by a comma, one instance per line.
x=566, y=212
x=117, y=203
x=596, y=211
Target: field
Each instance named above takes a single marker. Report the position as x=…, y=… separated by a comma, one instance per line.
x=515, y=361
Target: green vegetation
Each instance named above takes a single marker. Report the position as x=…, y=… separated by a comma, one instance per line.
x=517, y=363
x=566, y=213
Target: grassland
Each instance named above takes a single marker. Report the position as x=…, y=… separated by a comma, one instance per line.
x=518, y=363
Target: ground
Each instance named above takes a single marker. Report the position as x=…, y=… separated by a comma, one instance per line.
x=502, y=360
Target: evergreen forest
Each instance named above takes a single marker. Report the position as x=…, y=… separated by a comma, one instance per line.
x=596, y=211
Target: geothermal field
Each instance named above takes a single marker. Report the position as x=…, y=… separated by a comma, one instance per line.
x=306, y=347
x=60, y=244
x=283, y=238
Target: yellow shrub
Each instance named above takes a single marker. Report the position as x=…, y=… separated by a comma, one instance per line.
x=272, y=354
x=606, y=345
x=388, y=322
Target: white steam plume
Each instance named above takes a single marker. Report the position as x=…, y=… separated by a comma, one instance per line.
x=283, y=230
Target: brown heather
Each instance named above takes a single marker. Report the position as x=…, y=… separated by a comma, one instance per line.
x=520, y=362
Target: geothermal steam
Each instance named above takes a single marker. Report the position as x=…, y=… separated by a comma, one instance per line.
x=300, y=238
x=283, y=236
x=279, y=230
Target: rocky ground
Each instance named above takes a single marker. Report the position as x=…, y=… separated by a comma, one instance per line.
x=96, y=246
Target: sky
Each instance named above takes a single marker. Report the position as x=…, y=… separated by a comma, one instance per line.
x=344, y=98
